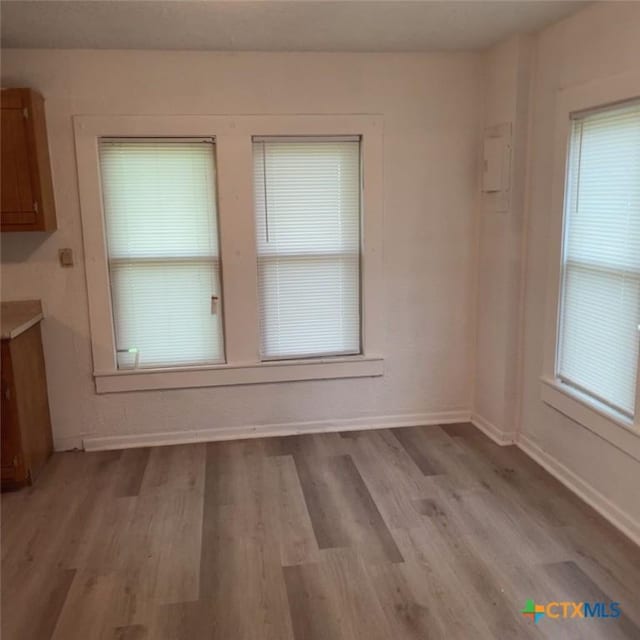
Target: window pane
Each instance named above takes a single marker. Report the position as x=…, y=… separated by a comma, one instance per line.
x=309, y=305
x=165, y=312
x=307, y=202
x=599, y=337
x=161, y=223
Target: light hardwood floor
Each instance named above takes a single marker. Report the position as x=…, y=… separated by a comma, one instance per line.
x=416, y=533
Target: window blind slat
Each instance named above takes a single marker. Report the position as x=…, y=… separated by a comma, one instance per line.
x=307, y=205
x=600, y=312
x=162, y=241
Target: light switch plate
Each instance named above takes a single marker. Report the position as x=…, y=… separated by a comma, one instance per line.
x=66, y=257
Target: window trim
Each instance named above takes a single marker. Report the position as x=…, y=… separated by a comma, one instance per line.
x=233, y=137
x=229, y=374
x=610, y=425
x=594, y=416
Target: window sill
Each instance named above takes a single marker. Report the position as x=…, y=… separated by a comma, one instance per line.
x=598, y=418
x=229, y=374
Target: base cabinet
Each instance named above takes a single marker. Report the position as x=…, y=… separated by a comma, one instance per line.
x=26, y=424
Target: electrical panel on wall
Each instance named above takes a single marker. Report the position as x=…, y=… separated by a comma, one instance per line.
x=496, y=169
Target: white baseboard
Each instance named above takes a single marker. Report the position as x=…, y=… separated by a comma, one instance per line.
x=67, y=443
x=590, y=495
x=100, y=443
x=488, y=428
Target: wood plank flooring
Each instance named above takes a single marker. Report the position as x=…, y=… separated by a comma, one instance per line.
x=406, y=534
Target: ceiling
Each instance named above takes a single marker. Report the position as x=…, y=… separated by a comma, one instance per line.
x=268, y=25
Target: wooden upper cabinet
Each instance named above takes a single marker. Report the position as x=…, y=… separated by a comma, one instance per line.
x=27, y=190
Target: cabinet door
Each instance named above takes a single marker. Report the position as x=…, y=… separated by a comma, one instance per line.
x=27, y=188
x=13, y=472
x=17, y=191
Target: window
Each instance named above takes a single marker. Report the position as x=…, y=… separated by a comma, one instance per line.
x=598, y=334
x=162, y=243
x=195, y=223
x=307, y=212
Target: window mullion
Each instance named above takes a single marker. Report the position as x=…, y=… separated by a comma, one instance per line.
x=237, y=247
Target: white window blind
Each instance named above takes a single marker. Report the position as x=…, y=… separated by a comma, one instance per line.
x=307, y=205
x=600, y=308
x=161, y=227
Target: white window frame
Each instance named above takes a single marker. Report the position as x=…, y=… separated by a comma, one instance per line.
x=234, y=165
x=599, y=418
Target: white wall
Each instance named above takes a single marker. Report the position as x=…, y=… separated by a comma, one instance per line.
x=430, y=104
x=601, y=41
x=507, y=68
